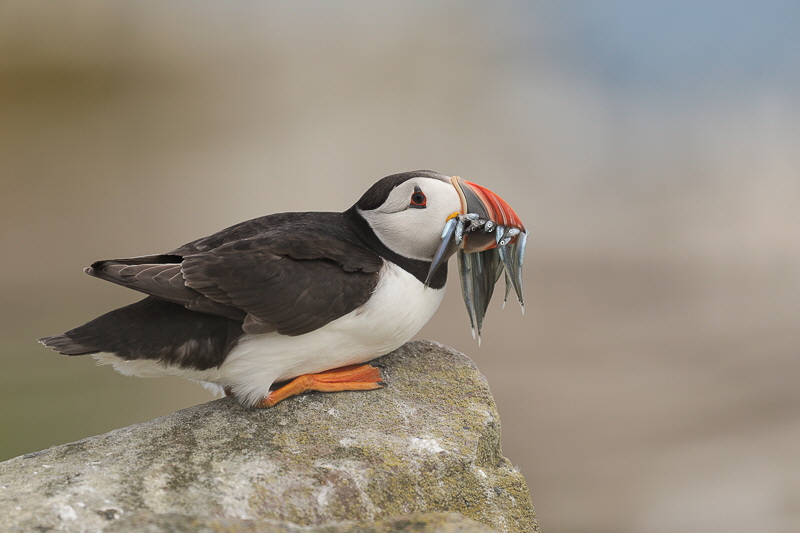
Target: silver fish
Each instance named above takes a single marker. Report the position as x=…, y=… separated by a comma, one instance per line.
x=489, y=240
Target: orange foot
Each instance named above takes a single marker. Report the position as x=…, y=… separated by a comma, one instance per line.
x=352, y=377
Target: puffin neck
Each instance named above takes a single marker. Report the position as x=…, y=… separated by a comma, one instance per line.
x=415, y=267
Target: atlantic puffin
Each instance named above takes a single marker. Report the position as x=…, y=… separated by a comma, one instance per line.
x=294, y=302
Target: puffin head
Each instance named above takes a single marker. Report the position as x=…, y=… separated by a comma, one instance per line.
x=408, y=211
x=428, y=216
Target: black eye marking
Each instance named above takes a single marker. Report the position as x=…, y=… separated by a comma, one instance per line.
x=418, y=199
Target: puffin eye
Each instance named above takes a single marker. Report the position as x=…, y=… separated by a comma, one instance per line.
x=418, y=199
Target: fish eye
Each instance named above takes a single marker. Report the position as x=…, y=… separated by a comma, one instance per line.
x=418, y=198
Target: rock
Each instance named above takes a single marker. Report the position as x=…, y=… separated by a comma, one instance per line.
x=429, y=442
x=171, y=523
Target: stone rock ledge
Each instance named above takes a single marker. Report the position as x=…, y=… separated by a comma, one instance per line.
x=427, y=443
x=416, y=523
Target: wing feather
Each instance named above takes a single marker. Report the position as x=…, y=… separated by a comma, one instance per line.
x=291, y=273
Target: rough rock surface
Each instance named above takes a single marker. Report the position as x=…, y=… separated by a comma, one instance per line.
x=429, y=442
x=416, y=523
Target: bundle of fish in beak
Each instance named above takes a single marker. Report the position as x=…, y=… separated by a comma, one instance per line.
x=295, y=302
x=490, y=241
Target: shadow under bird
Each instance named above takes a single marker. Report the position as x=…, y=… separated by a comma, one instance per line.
x=303, y=300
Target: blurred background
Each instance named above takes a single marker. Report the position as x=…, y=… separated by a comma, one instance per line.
x=652, y=148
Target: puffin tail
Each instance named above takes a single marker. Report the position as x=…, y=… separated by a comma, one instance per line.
x=66, y=345
x=154, y=329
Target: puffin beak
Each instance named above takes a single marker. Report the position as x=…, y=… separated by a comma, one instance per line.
x=489, y=207
x=489, y=238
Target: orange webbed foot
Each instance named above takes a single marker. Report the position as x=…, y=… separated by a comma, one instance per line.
x=352, y=377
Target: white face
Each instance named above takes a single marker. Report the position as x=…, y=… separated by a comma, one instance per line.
x=412, y=231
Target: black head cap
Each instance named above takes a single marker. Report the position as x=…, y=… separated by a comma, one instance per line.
x=378, y=193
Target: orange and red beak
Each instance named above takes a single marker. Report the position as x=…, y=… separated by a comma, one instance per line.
x=490, y=240
x=479, y=200
x=475, y=228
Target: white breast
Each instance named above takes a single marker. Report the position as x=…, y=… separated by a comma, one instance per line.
x=397, y=310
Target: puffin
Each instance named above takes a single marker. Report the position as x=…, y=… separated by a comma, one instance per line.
x=294, y=302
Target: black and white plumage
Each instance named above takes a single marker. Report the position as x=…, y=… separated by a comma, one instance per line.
x=287, y=294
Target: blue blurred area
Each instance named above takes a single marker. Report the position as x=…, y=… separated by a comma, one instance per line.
x=690, y=49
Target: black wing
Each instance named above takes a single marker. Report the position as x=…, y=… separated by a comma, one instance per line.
x=291, y=272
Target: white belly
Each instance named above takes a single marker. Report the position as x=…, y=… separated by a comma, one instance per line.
x=397, y=310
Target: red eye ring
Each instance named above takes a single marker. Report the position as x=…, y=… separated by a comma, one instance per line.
x=418, y=199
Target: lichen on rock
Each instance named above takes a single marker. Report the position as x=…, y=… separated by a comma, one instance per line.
x=427, y=443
